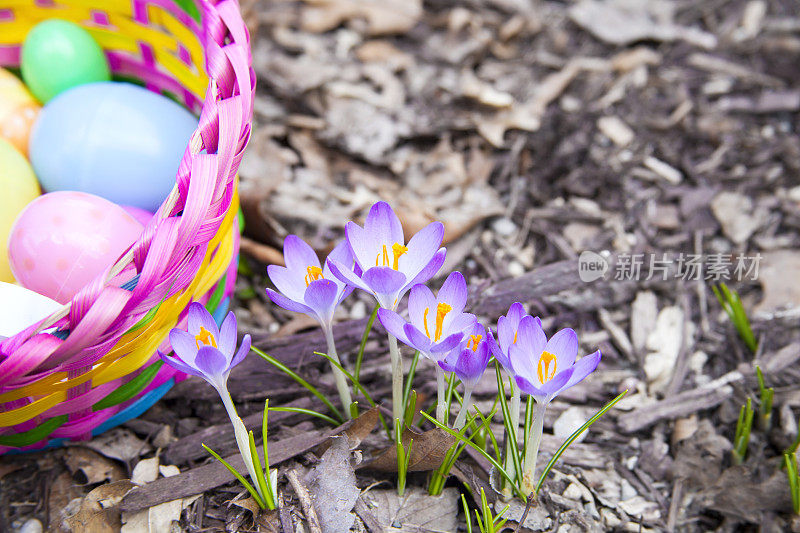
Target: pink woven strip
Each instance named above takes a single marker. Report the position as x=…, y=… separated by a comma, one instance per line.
x=172, y=248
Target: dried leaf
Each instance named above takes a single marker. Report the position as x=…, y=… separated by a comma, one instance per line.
x=779, y=272
x=415, y=511
x=332, y=485
x=119, y=444
x=98, y=512
x=383, y=18
x=94, y=467
x=427, y=451
x=356, y=431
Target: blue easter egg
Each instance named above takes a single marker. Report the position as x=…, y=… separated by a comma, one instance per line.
x=115, y=140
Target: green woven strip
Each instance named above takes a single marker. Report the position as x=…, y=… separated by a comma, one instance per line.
x=34, y=435
x=130, y=389
x=216, y=297
x=190, y=7
x=145, y=319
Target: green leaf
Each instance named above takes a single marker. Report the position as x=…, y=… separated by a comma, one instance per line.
x=263, y=489
x=253, y=492
x=309, y=412
x=411, y=372
x=308, y=386
x=481, y=451
x=510, y=425
x=363, y=345
x=358, y=386
x=574, y=436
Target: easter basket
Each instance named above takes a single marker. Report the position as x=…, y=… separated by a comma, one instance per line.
x=94, y=364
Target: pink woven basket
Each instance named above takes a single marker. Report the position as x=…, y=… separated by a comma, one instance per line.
x=94, y=364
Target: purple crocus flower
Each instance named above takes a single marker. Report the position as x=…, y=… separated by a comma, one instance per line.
x=390, y=266
x=507, y=327
x=304, y=285
x=469, y=360
x=544, y=368
x=436, y=324
x=204, y=350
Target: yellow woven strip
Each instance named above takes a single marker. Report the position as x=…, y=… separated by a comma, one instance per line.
x=135, y=348
x=22, y=414
x=124, y=35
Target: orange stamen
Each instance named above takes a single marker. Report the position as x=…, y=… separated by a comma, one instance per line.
x=313, y=274
x=425, y=322
x=397, y=250
x=204, y=338
x=441, y=311
x=543, y=368
x=475, y=340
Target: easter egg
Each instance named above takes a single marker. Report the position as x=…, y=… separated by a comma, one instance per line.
x=64, y=240
x=22, y=308
x=19, y=188
x=115, y=140
x=57, y=55
x=18, y=111
x=142, y=217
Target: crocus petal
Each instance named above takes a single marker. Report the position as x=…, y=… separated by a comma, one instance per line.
x=523, y=363
x=531, y=337
x=383, y=224
x=179, y=365
x=461, y=322
x=471, y=364
x=419, y=299
x=361, y=245
x=347, y=275
x=582, y=368
x=289, y=282
x=184, y=345
x=421, y=248
x=288, y=304
x=321, y=296
x=501, y=357
x=445, y=365
x=417, y=339
x=515, y=313
x=244, y=349
x=428, y=271
x=558, y=383
x=448, y=343
x=384, y=280
x=227, y=335
x=298, y=254
x=200, y=317
x=564, y=345
x=393, y=323
x=506, y=331
x=211, y=363
x=529, y=388
x=454, y=292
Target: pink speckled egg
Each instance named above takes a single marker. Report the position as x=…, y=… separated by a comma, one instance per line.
x=141, y=215
x=63, y=240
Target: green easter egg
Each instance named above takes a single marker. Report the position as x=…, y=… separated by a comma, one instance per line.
x=58, y=55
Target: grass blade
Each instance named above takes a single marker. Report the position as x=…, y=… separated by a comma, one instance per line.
x=363, y=345
x=574, y=436
x=478, y=449
x=309, y=412
x=308, y=386
x=263, y=490
x=238, y=476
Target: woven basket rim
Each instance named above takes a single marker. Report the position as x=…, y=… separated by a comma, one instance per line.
x=216, y=13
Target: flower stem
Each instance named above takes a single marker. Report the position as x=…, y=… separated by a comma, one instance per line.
x=240, y=433
x=463, y=410
x=514, y=415
x=397, y=378
x=440, y=391
x=532, y=448
x=338, y=376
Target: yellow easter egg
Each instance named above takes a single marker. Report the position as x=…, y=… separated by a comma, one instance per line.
x=19, y=187
x=18, y=111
